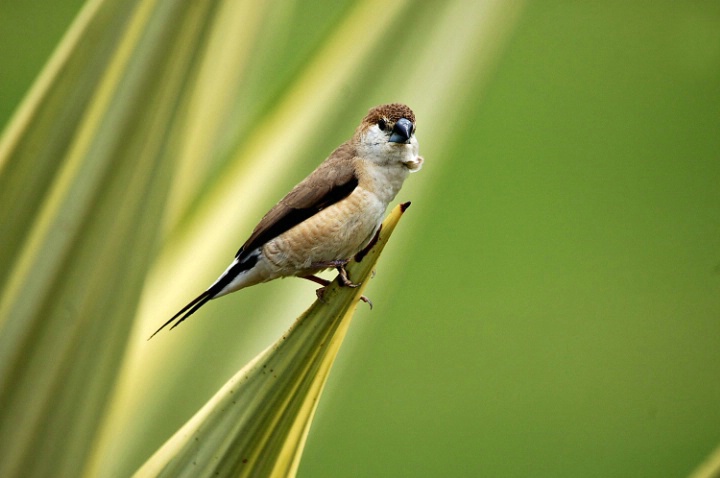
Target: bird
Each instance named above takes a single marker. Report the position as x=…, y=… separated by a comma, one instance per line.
x=329, y=217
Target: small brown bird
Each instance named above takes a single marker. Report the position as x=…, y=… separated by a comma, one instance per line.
x=331, y=215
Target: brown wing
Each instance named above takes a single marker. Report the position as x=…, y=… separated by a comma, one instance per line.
x=331, y=182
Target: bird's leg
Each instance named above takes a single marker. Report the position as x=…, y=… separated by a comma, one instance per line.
x=344, y=280
x=338, y=264
x=318, y=280
x=328, y=264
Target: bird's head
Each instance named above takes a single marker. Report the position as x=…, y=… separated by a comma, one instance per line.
x=387, y=135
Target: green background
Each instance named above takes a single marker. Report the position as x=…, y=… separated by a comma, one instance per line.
x=556, y=305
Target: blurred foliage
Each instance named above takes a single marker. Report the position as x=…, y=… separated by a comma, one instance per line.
x=551, y=306
x=85, y=171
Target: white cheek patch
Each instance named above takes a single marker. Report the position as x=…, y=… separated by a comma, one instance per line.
x=415, y=164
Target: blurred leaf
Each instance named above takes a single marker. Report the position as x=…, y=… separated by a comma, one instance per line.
x=257, y=423
x=86, y=165
x=710, y=468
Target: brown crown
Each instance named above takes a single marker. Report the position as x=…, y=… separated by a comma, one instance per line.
x=391, y=113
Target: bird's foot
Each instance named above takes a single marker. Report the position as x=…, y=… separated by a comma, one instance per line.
x=318, y=280
x=367, y=301
x=320, y=293
x=344, y=279
x=338, y=264
x=324, y=283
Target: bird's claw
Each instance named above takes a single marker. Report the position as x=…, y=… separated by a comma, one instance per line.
x=338, y=264
x=344, y=279
x=367, y=301
x=320, y=293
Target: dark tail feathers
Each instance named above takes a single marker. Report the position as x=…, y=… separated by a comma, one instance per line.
x=198, y=302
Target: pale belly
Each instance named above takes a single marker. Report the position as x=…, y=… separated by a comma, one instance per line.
x=335, y=233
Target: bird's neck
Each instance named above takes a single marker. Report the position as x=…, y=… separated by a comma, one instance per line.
x=384, y=181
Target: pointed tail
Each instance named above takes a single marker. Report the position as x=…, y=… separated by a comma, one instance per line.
x=237, y=267
x=188, y=310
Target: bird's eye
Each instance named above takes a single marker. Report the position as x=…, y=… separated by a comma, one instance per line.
x=382, y=125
